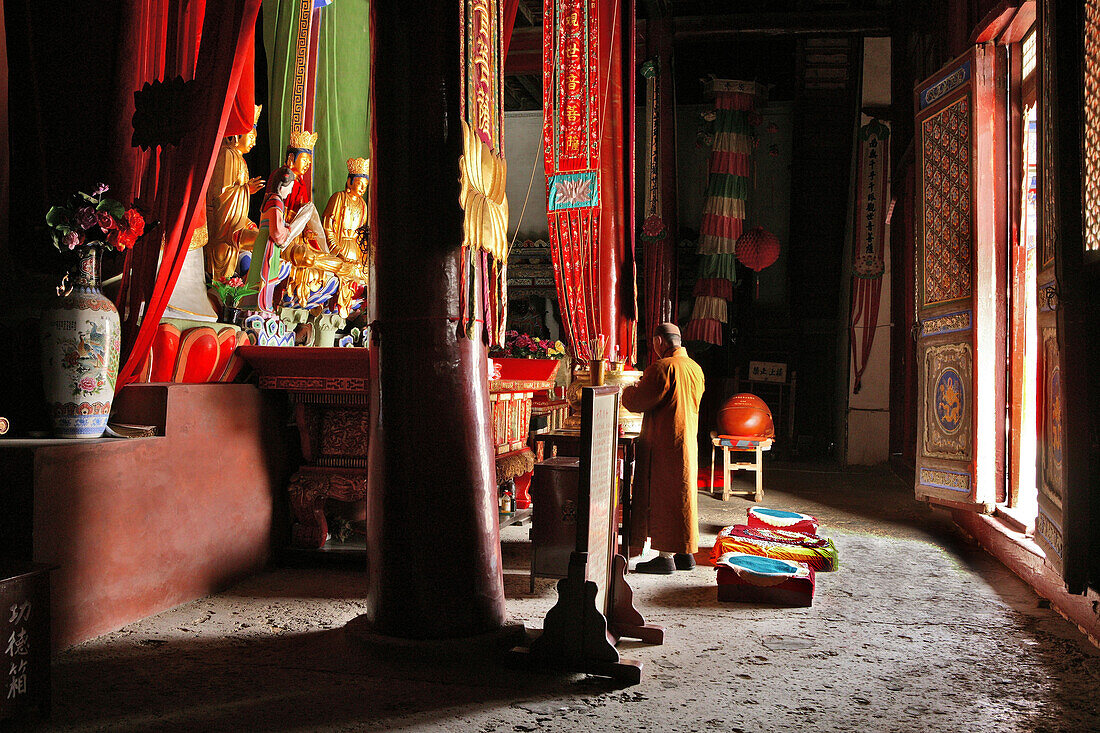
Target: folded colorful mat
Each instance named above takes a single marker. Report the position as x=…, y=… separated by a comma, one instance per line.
x=755, y=579
x=764, y=518
x=817, y=552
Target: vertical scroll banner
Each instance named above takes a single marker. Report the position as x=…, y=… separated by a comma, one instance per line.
x=571, y=139
x=483, y=172
x=868, y=262
x=302, y=65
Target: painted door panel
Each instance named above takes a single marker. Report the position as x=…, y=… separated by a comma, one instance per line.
x=1069, y=287
x=959, y=271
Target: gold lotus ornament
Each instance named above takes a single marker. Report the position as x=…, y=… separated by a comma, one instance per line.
x=483, y=198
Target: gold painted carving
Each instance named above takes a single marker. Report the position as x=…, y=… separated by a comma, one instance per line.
x=482, y=197
x=944, y=479
x=938, y=442
x=1049, y=531
x=946, y=324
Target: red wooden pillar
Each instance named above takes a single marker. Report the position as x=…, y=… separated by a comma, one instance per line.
x=432, y=535
x=660, y=256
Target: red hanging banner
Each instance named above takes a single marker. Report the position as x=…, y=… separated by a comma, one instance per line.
x=582, y=136
x=572, y=147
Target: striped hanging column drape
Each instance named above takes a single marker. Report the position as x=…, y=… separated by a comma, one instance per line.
x=724, y=210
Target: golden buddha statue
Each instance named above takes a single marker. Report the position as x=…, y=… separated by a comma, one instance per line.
x=345, y=225
x=230, y=229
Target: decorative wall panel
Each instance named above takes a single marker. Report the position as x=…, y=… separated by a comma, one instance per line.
x=1053, y=438
x=947, y=186
x=948, y=403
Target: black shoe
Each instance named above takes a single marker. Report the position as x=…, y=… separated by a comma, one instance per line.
x=657, y=566
x=684, y=561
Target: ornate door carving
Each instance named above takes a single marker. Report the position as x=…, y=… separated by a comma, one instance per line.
x=960, y=425
x=1068, y=283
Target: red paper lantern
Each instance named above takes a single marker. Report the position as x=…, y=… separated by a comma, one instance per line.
x=757, y=248
x=746, y=416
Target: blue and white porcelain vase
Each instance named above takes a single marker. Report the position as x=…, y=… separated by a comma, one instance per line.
x=81, y=338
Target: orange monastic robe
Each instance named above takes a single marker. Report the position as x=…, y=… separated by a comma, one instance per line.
x=666, y=477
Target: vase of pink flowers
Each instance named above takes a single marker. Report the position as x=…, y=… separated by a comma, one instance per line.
x=80, y=330
x=230, y=290
x=526, y=357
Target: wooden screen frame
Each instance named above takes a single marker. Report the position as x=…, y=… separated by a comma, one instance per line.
x=1068, y=281
x=597, y=509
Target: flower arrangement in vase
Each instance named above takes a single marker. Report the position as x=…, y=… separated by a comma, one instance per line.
x=230, y=291
x=523, y=346
x=526, y=357
x=91, y=220
x=80, y=331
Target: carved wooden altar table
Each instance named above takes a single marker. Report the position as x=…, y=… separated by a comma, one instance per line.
x=328, y=389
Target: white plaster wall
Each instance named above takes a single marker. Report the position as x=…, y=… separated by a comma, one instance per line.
x=868, y=418
x=869, y=411
x=876, y=71
x=522, y=150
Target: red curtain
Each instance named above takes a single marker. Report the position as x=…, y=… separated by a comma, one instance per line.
x=242, y=116
x=618, y=293
x=214, y=49
x=510, y=8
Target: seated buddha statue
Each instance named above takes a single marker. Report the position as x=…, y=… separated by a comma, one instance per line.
x=227, y=201
x=312, y=280
x=345, y=225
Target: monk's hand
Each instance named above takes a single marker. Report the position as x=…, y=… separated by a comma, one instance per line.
x=255, y=184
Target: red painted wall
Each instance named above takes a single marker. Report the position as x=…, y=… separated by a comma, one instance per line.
x=138, y=526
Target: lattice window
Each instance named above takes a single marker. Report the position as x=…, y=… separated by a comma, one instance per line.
x=1028, y=57
x=947, y=200
x=1047, y=126
x=1092, y=124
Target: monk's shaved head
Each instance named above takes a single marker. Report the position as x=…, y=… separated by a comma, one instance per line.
x=669, y=333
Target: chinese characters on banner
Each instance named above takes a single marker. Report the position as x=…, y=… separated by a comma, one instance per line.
x=483, y=173
x=868, y=263
x=571, y=145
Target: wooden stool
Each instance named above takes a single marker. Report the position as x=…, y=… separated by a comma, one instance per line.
x=730, y=444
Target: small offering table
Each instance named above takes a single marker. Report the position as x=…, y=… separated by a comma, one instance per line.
x=568, y=443
x=328, y=388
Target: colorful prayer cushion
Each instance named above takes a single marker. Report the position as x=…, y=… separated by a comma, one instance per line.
x=817, y=552
x=764, y=518
x=756, y=579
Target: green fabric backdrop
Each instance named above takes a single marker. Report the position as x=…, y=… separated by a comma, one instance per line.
x=342, y=105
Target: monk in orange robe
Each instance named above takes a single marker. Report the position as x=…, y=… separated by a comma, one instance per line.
x=666, y=478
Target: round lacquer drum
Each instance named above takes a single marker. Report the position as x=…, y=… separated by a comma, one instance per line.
x=746, y=416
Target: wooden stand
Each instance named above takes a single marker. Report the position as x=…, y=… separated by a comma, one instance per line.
x=595, y=604
x=739, y=445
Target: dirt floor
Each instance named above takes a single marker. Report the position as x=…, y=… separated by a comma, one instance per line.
x=919, y=630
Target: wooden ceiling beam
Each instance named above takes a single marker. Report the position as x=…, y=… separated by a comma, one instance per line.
x=525, y=11
x=833, y=22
